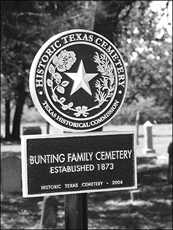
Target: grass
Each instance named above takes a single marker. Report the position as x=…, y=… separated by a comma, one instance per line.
x=106, y=210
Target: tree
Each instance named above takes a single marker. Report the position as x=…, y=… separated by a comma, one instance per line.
x=14, y=61
x=132, y=26
x=19, y=45
x=148, y=55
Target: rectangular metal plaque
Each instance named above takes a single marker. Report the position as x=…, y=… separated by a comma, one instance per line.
x=78, y=163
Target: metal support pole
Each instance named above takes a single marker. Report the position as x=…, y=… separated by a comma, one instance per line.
x=76, y=211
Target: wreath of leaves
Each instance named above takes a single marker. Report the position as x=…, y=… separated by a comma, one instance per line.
x=104, y=86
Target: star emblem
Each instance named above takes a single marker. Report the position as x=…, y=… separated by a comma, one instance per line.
x=81, y=79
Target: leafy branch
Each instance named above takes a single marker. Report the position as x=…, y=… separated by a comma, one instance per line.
x=105, y=86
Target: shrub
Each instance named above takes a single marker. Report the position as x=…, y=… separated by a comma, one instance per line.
x=148, y=111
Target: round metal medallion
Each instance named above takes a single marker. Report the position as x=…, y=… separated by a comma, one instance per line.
x=78, y=80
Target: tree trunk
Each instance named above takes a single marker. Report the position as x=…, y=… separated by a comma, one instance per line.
x=107, y=18
x=102, y=24
x=7, y=119
x=18, y=111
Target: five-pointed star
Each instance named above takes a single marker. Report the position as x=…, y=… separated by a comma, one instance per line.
x=81, y=79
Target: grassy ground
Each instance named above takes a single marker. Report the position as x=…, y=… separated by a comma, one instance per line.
x=151, y=208
x=111, y=210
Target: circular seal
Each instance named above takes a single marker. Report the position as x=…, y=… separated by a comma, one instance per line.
x=78, y=80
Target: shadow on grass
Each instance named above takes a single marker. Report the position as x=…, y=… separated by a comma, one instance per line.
x=151, y=209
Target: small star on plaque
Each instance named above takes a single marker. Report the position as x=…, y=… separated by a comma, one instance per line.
x=81, y=79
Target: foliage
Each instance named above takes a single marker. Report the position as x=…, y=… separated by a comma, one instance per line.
x=147, y=52
x=146, y=49
x=148, y=111
x=131, y=25
x=25, y=27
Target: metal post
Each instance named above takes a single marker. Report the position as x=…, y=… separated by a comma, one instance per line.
x=76, y=209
